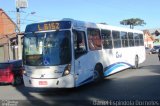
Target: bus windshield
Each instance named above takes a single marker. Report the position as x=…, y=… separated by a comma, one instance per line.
x=47, y=48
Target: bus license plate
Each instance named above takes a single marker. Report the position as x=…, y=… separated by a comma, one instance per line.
x=43, y=83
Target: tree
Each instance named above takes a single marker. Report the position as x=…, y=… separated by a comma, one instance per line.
x=133, y=22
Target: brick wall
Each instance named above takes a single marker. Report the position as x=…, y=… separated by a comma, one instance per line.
x=7, y=31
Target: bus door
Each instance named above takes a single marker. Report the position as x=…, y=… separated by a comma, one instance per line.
x=82, y=71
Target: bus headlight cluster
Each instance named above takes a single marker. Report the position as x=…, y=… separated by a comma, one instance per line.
x=67, y=70
x=24, y=72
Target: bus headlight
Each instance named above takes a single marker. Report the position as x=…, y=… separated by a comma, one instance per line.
x=24, y=72
x=67, y=70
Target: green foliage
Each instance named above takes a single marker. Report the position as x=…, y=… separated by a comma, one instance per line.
x=133, y=22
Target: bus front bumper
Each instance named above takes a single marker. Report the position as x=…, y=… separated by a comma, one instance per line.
x=62, y=82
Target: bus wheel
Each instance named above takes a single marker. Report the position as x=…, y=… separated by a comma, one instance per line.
x=98, y=73
x=136, y=62
x=17, y=80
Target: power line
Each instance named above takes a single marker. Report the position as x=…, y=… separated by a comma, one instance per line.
x=28, y=13
x=21, y=19
x=35, y=15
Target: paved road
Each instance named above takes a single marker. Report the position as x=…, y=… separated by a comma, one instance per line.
x=129, y=87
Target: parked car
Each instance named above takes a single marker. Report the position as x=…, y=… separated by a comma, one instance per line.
x=11, y=72
x=155, y=49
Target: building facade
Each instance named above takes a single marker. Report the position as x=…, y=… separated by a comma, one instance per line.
x=148, y=39
x=8, y=48
x=156, y=38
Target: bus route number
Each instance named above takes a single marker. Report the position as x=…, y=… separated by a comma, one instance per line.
x=48, y=26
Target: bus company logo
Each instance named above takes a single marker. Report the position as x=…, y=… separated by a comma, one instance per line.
x=9, y=103
x=118, y=55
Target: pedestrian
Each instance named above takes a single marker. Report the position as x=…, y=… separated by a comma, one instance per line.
x=159, y=54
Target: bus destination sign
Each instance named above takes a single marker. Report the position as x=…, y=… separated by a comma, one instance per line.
x=48, y=26
x=52, y=25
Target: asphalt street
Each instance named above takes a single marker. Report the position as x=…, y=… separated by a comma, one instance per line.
x=129, y=87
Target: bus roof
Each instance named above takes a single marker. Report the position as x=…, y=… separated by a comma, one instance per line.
x=101, y=26
x=67, y=23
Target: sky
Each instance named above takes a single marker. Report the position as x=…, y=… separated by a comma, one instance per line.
x=98, y=11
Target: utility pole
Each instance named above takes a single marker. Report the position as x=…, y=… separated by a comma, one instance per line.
x=18, y=34
x=18, y=19
x=19, y=5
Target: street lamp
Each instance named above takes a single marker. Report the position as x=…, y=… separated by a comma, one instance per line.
x=31, y=13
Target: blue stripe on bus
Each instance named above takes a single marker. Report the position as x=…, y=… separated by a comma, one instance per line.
x=86, y=80
x=115, y=66
x=107, y=71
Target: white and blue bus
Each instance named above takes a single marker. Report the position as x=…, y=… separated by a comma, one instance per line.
x=69, y=53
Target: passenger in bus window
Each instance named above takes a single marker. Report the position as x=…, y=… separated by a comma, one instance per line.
x=94, y=40
x=90, y=42
x=97, y=41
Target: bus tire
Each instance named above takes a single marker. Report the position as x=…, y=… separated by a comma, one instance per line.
x=98, y=73
x=136, y=66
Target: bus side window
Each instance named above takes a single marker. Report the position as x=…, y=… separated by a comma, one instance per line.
x=79, y=43
x=136, y=39
x=141, y=40
x=131, y=39
x=116, y=39
x=107, y=39
x=94, y=39
x=124, y=37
